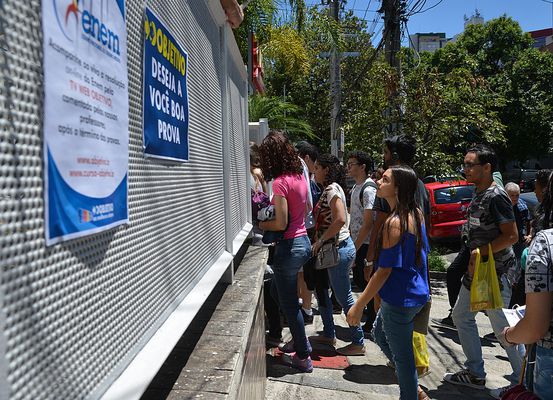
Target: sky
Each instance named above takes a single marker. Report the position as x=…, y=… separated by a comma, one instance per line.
x=447, y=16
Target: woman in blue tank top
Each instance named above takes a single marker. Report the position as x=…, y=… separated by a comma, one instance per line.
x=401, y=277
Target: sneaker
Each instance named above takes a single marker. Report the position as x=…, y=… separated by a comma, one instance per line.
x=305, y=365
x=288, y=347
x=499, y=392
x=446, y=322
x=307, y=319
x=421, y=394
x=352, y=349
x=272, y=341
x=465, y=378
x=321, y=339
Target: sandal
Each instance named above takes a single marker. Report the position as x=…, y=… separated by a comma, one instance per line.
x=422, y=395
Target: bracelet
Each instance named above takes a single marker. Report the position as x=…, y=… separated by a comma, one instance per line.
x=506, y=339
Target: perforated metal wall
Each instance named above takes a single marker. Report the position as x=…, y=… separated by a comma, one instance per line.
x=77, y=313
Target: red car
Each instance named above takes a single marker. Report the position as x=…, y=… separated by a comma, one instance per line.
x=449, y=201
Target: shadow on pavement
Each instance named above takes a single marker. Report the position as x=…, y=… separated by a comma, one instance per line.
x=370, y=374
x=276, y=369
x=342, y=333
x=447, y=391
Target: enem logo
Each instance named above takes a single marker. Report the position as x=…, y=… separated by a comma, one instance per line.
x=85, y=22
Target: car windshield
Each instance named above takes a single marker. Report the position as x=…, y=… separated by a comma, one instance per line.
x=453, y=194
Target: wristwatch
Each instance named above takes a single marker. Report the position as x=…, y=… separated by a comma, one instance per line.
x=368, y=263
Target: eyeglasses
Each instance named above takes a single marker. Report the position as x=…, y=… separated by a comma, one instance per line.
x=352, y=163
x=471, y=165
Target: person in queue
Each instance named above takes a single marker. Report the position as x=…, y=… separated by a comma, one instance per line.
x=490, y=222
x=400, y=277
x=332, y=225
x=537, y=324
x=280, y=162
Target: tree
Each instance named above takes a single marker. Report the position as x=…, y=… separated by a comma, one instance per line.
x=519, y=79
x=528, y=111
x=280, y=114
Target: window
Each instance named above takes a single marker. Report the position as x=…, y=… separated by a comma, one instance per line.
x=453, y=194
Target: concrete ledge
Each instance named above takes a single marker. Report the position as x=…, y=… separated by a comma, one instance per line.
x=228, y=361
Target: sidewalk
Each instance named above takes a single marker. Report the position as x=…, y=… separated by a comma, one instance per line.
x=368, y=377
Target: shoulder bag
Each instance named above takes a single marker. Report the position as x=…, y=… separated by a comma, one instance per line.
x=328, y=255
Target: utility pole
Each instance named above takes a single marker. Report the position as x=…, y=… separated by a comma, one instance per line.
x=335, y=89
x=393, y=10
x=392, y=32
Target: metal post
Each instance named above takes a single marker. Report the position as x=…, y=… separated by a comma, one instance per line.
x=335, y=87
x=251, y=88
x=392, y=46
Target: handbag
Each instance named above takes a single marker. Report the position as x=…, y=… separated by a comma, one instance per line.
x=521, y=392
x=259, y=200
x=328, y=256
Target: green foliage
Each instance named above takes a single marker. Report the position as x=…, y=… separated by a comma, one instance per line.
x=436, y=262
x=490, y=85
x=281, y=115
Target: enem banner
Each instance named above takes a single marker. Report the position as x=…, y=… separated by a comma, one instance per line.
x=86, y=121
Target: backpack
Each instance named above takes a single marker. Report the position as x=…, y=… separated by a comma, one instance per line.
x=365, y=185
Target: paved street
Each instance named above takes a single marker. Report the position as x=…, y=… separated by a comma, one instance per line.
x=368, y=377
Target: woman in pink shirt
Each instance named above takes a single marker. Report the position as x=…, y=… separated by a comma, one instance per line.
x=280, y=162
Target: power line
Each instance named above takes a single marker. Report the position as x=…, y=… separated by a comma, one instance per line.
x=431, y=7
x=368, y=5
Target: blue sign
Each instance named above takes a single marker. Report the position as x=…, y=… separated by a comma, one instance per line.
x=165, y=98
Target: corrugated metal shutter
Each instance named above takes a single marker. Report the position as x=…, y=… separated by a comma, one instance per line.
x=239, y=170
x=78, y=312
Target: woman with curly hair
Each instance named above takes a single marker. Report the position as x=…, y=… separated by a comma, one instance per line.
x=332, y=226
x=280, y=162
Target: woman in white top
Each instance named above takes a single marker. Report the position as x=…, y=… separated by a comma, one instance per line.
x=332, y=225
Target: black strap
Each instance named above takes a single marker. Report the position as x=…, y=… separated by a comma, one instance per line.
x=365, y=185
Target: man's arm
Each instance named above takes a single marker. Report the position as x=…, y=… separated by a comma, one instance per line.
x=377, y=225
x=365, y=228
x=507, y=237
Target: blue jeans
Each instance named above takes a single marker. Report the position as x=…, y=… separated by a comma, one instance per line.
x=289, y=257
x=393, y=332
x=338, y=278
x=470, y=339
x=543, y=373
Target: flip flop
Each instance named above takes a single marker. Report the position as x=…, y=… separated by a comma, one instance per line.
x=422, y=395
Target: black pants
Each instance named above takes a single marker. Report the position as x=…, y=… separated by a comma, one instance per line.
x=361, y=283
x=455, y=273
x=271, y=308
x=359, y=265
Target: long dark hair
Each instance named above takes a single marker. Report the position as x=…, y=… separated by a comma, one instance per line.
x=336, y=172
x=405, y=181
x=278, y=156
